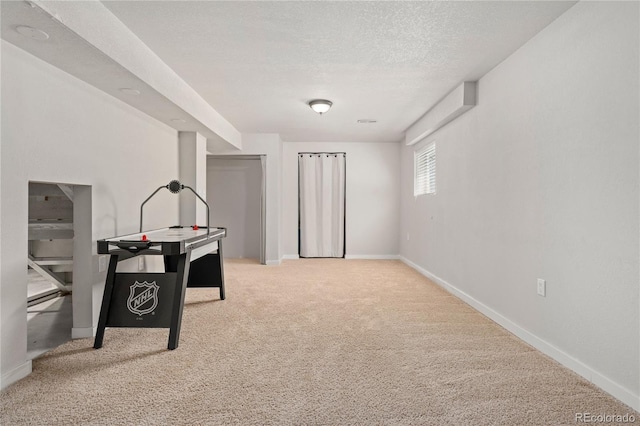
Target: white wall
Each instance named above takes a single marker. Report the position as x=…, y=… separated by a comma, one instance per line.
x=268, y=144
x=372, y=199
x=234, y=192
x=56, y=128
x=541, y=180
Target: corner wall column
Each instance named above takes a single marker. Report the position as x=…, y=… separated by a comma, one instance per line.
x=192, y=148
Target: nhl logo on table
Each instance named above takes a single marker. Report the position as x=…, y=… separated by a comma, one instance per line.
x=143, y=297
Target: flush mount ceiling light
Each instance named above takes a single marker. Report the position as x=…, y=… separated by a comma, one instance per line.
x=32, y=33
x=320, y=105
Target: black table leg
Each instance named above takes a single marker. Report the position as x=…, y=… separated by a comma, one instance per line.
x=106, y=301
x=221, y=270
x=182, y=276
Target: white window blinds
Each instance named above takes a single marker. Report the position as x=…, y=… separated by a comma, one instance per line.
x=425, y=170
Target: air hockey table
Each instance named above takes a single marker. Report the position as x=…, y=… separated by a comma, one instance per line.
x=192, y=258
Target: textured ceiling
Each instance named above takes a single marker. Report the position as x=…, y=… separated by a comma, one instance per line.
x=259, y=63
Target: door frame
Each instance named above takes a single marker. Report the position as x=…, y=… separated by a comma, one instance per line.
x=344, y=218
x=263, y=198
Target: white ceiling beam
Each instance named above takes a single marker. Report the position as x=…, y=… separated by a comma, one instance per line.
x=97, y=26
x=456, y=103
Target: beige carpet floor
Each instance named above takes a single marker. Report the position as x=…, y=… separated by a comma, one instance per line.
x=310, y=342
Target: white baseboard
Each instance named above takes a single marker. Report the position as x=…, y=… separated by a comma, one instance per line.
x=595, y=377
x=20, y=372
x=83, y=332
x=273, y=262
x=373, y=256
x=353, y=256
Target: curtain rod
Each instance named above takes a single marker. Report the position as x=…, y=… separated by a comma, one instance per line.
x=320, y=153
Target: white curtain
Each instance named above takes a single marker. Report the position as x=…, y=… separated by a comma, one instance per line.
x=322, y=186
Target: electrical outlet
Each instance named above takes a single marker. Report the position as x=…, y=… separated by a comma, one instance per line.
x=102, y=263
x=407, y=236
x=542, y=287
x=141, y=264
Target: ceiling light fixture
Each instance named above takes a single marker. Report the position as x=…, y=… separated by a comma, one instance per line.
x=320, y=106
x=32, y=33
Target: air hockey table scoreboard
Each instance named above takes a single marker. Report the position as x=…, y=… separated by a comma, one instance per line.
x=192, y=258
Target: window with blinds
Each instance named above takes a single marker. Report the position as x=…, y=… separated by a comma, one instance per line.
x=425, y=170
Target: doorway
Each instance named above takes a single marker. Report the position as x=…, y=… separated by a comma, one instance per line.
x=50, y=267
x=59, y=265
x=236, y=188
x=321, y=204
